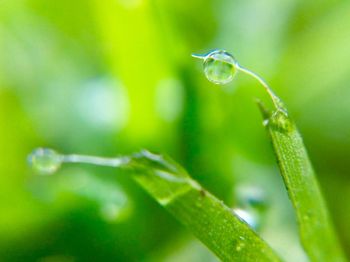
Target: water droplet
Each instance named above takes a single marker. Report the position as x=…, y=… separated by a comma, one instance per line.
x=251, y=218
x=102, y=103
x=169, y=99
x=220, y=67
x=45, y=161
x=252, y=197
x=281, y=121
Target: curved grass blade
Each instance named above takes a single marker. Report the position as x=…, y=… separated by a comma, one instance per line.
x=228, y=236
x=224, y=233
x=315, y=228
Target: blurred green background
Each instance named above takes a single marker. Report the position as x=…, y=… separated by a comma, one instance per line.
x=111, y=77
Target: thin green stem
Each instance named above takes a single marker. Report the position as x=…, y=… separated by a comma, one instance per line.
x=275, y=99
x=95, y=160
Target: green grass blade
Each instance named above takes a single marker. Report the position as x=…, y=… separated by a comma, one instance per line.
x=315, y=228
x=230, y=238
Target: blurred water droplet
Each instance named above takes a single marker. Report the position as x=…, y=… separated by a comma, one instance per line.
x=169, y=99
x=251, y=196
x=251, y=218
x=102, y=103
x=44, y=160
x=220, y=67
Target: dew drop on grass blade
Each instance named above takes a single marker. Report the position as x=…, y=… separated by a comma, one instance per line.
x=216, y=225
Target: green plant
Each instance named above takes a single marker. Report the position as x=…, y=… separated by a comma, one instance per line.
x=215, y=224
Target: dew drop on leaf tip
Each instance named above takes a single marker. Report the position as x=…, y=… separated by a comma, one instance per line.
x=45, y=161
x=219, y=66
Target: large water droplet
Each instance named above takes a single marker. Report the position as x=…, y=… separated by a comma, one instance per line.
x=220, y=67
x=45, y=161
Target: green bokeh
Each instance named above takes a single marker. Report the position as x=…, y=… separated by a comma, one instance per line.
x=113, y=76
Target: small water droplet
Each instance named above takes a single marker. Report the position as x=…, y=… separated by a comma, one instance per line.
x=44, y=160
x=281, y=121
x=252, y=197
x=220, y=67
x=250, y=218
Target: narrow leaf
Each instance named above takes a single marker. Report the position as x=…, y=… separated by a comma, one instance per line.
x=229, y=237
x=315, y=228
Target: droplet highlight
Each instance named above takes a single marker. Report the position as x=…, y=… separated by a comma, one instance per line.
x=45, y=161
